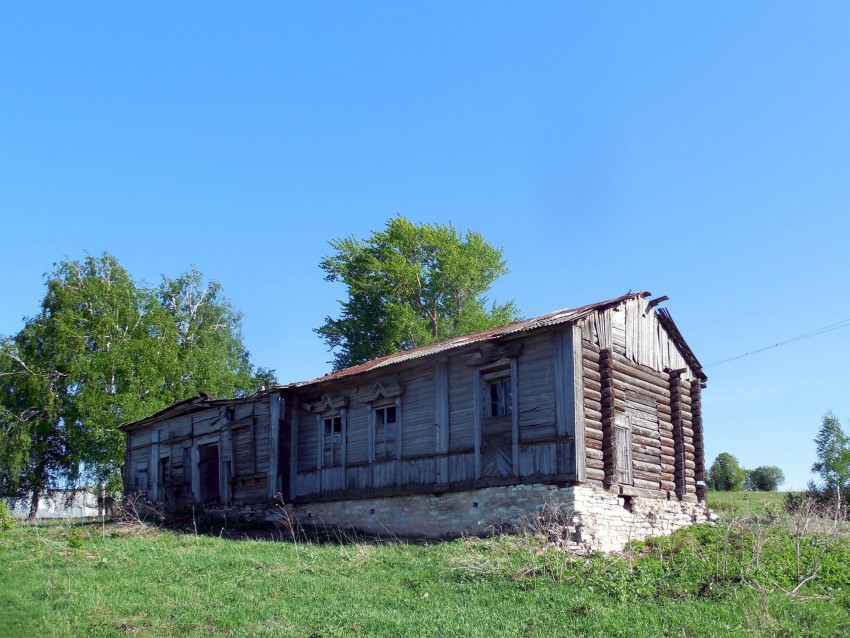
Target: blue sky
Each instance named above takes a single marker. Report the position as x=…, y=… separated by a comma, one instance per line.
x=698, y=151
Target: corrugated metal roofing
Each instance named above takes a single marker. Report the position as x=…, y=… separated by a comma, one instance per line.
x=558, y=317
x=551, y=319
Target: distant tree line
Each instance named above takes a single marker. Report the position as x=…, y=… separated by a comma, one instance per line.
x=832, y=467
x=103, y=350
x=727, y=475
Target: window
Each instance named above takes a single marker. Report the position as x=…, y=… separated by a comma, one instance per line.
x=498, y=395
x=386, y=425
x=332, y=441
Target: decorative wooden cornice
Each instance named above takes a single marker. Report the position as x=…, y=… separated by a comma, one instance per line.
x=327, y=403
x=383, y=390
x=491, y=353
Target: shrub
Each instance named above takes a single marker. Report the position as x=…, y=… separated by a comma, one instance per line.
x=6, y=518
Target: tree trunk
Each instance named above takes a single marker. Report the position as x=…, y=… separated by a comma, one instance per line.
x=34, y=505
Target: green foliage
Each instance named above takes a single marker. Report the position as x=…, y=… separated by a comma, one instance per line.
x=102, y=351
x=725, y=474
x=833, y=454
x=765, y=478
x=410, y=285
x=98, y=580
x=6, y=518
x=745, y=503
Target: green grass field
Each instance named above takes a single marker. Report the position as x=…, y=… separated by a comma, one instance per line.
x=745, y=503
x=111, y=580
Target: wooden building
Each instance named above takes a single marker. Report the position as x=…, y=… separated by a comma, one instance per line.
x=597, y=407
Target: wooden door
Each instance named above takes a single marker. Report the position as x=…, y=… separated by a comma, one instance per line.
x=623, y=448
x=208, y=469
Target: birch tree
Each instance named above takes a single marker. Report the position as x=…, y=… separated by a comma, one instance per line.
x=103, y=351
x=411, y=285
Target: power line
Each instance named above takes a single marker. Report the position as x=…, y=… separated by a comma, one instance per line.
x=834, y=326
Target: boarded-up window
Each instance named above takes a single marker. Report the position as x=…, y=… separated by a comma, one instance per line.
x=386, y=426
x=332, y=441
x=623, y=448
x=142, y=476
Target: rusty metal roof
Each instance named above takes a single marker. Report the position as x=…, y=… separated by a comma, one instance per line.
x=557, y=317
x=193, y=404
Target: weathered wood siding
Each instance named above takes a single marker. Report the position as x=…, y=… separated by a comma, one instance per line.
x=418, y=418
x=441, y=440
x=168, y=453
x=536, y=389
x=461, y=405
x=632, y=330
x=628, y=358
x=609, y=399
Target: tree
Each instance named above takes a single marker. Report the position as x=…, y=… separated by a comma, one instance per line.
x=411, y=285
x=103, y=351
x=833, y=454
x=725, y=474
x=765, y=478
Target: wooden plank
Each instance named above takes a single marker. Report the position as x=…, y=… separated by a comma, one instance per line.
x=478, y=408
x=514, y=418
x=577, y=371
x=154, y=467
x=196, y=474
x=274, y=442
x=562, y=400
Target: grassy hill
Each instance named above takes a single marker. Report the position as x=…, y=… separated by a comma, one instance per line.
x=117, y=580
x=745, y=503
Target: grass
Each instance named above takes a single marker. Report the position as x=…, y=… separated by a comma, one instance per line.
x=111, y=580
x=744, y=503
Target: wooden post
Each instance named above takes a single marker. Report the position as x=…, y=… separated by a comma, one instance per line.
x=514, y=417
x=441, y=446
x=478, y=407
x=293, y=454
x=609, y=392
x=228, y=461
x=699, y=447
x=153, y=472
x=680, y=408
x=576, y=374
x=274, y=443
x=194, y=455
x=398, y=439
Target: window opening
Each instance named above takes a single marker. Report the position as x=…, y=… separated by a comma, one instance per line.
x=498, y=392
x=500, y=395
x=332, y=441
x=386, y=426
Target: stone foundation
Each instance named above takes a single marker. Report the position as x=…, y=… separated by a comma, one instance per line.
x=600, y=520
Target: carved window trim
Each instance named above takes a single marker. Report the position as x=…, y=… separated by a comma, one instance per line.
x=383, y=399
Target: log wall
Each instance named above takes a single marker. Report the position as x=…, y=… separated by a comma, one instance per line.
x=662, y=409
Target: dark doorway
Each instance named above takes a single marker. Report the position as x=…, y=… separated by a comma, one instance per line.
x=208, y=469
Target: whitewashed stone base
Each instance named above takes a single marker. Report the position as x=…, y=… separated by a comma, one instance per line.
x=602, y=521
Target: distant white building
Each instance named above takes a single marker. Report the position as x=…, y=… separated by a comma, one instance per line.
x=62, y=504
